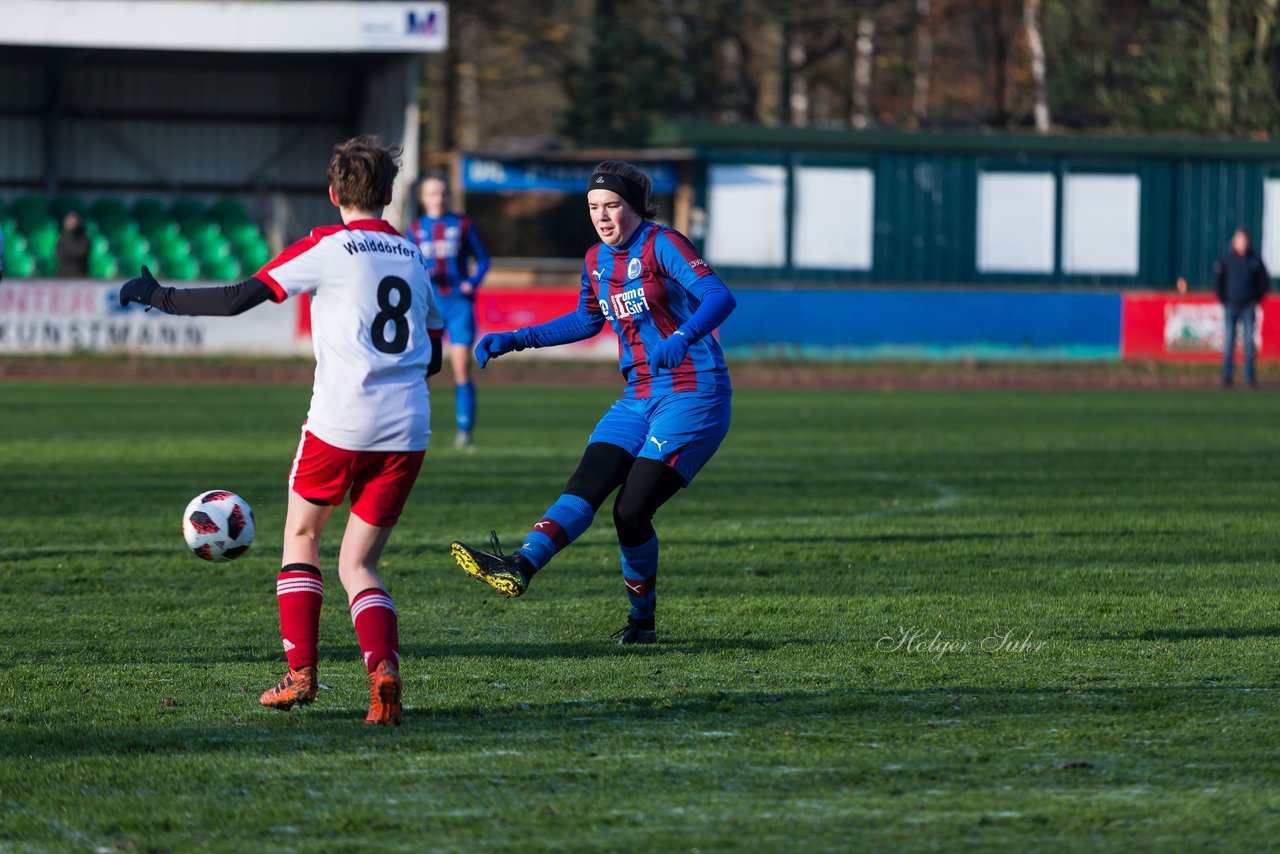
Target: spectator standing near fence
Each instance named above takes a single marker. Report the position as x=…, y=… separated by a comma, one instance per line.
x=1240, y=280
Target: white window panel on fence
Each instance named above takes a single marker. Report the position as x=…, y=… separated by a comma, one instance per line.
x=1016, y=222
x=1269, y=245
x=1100, y=222
x=747, y=215
x=834, y=222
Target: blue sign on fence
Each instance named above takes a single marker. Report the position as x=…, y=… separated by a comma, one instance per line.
x=487, y=175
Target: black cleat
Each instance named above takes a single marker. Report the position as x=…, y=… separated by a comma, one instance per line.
x=508, y=574
x=636, y=631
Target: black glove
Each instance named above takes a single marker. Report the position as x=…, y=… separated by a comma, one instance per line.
x=141, y=289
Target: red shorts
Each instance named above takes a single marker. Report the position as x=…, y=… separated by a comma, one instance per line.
x=380, y=481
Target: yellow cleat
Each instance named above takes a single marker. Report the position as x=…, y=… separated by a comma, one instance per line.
x=508, y=574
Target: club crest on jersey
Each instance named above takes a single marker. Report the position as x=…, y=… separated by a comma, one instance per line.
x=629, y=302
x=634, y=268
x=445, y=247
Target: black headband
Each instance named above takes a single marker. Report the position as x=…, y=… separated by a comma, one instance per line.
x=631, y=192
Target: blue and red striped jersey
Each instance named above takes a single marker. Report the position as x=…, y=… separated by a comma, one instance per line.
x=646, y=289
x=450, y=244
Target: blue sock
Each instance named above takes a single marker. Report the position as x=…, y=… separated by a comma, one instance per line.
x=640, y=574
x=563, y=523
x=464, y=407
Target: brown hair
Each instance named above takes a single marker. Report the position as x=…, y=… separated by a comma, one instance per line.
x=622, y=169
x=361, y=172
x=436, y=175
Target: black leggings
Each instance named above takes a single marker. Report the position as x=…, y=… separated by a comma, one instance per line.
x=645, y=486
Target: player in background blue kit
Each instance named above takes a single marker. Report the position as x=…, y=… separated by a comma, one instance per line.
x=451, y=244
x=663, y=301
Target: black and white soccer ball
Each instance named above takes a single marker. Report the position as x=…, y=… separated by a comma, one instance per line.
x=218, y=525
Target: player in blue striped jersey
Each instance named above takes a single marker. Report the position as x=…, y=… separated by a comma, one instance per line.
x=663, y=300
x=452, y=246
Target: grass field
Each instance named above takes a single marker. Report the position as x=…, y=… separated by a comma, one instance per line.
x=912, y=620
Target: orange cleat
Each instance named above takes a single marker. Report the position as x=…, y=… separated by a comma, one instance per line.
x=297, y=688
x=384, y=695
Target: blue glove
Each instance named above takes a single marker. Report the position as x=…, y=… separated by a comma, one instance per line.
x=140, y=289
x=670, y=353
x=494, y=345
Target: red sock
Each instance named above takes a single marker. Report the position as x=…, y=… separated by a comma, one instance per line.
x=377, y=629
x=299, y=591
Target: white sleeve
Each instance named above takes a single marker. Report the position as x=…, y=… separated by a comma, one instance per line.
x=298, y=268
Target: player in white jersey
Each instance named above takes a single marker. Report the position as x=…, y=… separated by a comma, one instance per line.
x=376, y=331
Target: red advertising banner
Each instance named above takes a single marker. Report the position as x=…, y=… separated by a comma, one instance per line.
x=504, y=309
x=1175, y=327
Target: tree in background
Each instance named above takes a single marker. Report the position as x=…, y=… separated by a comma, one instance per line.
x=535, y=74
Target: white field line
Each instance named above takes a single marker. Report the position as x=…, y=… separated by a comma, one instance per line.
x=943, y=495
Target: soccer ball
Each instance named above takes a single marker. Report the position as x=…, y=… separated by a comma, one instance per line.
x=218, y=525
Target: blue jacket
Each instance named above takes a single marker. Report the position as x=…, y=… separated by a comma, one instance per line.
x=1240, y=279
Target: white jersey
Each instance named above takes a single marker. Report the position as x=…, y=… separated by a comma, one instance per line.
x=373, y=314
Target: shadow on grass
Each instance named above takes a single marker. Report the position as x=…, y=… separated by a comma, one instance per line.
x=599, y=648
x=14, y=555
x=265, y=733
x=1194, y=634
x=577, y=650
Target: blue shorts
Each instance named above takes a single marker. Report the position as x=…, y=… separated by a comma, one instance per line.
x=459, y=313
x=682, y=430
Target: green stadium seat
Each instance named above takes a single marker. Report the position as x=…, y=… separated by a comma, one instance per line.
x=47, y=265
x=254, y=255
x=16, y=243
x=109, y=208
x=200, y=231
x=180, y=268
x=19, y=261
x=98, y=242
x=149, y=210
x=241, y=232
x=187, y=209
x=130, y=243
x=160, y=230
x=65, y=204
x=133, y=255
x=9, y=226
x=34, y=222
x=25, y=206
x=103, y=265
x=213, y=249
x=173, y=246
x=224, y=268
x=229, y=211
x=20, y=266
x=121, y=230
x=44, y=240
